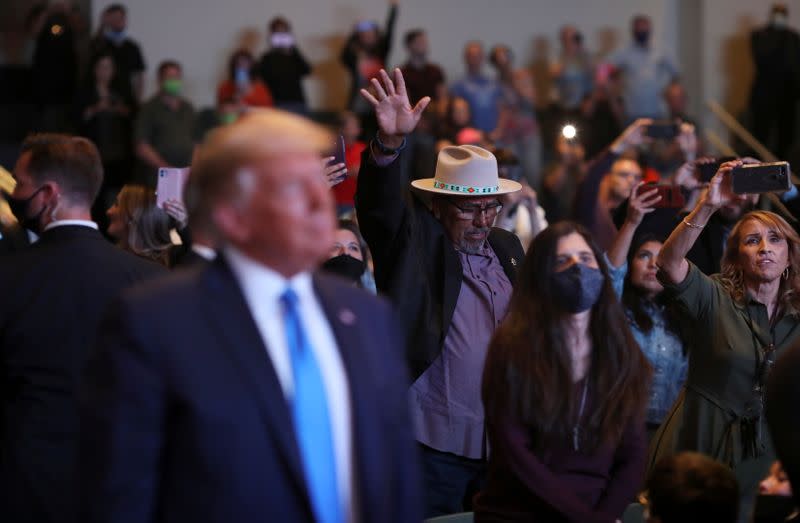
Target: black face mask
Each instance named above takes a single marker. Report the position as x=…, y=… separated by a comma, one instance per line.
x=641, y=37
x=346, y=266
x=19, y=208
x=578, y=288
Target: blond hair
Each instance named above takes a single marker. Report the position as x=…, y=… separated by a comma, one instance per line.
x=148, y=225
x=731, y=275
x=260, y=134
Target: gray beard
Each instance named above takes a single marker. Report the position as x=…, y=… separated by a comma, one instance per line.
x=469, y=247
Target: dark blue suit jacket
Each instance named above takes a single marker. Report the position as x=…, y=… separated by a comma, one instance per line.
x=53, y=295
x=184, y=419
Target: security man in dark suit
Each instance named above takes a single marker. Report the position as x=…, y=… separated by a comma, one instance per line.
x=53, y=295
x=252, y=388
x=13, y=238
x=449, y=273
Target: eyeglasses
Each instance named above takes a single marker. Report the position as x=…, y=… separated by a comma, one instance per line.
x=470, y=212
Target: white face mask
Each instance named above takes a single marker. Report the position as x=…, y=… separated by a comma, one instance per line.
x=780, y=20
x=282, y=40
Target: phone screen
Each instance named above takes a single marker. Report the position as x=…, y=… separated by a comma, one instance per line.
x=338, y=150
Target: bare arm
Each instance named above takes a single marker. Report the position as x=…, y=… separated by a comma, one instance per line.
x=672, y=258
x=639, y=204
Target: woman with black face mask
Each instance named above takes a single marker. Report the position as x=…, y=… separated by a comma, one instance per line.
x=349, y=256
x=565, y=390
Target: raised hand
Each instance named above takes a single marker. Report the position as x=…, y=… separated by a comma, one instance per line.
x=641, y=203
x=720, y=188
x=335, y=173
x=177, y=211
x=396, y=118
x=687, y=141
x=632, y=136
x=686, y=176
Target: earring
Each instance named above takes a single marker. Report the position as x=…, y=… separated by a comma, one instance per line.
x=786, y=273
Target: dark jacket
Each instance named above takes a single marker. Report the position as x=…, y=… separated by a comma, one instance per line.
x=349, y=56
x=783, y=396
x=184, y=418
x=53, y=296
x=416, y=265
x=13, y=238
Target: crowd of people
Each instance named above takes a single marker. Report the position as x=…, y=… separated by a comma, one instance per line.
x=442, y=303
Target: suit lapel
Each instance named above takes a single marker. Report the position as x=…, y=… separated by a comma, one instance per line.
x=509, y=262
x=238, y=335
x=347, y=328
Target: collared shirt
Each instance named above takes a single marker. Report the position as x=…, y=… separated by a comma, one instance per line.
x=662, y=347
x=262, y=289
x=62, y=223
x=446, y=399
x=207, y=253
x=170, y=132
x=484, y=96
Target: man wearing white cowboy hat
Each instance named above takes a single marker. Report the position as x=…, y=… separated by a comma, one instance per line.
x=449, y=274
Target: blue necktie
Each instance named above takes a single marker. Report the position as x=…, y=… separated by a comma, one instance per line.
x=311, y=419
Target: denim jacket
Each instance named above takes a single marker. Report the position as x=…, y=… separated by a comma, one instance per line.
x=662, y=347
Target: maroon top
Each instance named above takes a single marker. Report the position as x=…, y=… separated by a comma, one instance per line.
x=422, y=82
x=559, y=484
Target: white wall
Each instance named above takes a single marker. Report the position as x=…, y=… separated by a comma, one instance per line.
x=725, y=47
x=201, y=33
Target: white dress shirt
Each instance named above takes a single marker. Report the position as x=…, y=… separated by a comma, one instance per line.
x=61, y=223
x=262, y=289
x=207, y=253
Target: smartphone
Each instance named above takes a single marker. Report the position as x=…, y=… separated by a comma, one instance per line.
x=170, y=184
x=671, y=196
x=338, y=151
x=761, y=178
x=706, y=170
x=662, y=130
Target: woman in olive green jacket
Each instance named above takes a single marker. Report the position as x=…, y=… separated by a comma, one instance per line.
x=741, y=320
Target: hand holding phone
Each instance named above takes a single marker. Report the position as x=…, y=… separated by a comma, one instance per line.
x=643, y=200
x=170, y=184
x=706, y=168
x=669, y=196
x=662, y=130
x=761, y=178
x=334, y=172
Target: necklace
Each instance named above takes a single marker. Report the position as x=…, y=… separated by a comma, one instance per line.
x=576, y=430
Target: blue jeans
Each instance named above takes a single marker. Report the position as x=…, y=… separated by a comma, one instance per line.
x=450, y=481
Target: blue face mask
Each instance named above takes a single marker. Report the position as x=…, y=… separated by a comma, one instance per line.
x=578, y=288
x=241, y=76
x=116, y=36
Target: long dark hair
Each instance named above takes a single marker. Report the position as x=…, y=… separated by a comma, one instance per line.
x=636, y=301
x=148, y=224
x=528, y=373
